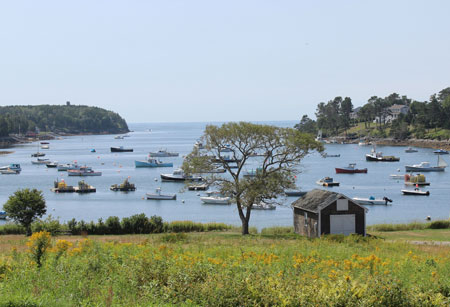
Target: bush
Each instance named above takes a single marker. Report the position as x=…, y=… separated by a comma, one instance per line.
x=12, y=229
x=277, y=230
x=174, y=237
x=439, y=225
x=113, y=226
x=49, y=224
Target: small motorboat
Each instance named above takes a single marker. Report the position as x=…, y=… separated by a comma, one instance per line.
x=121, y=149
x=263, y=206
x=215, y=199
x=372, y=200
x=326, y=155
x=45, y=147
x=118, y=137
x=2, y=215
x=327, y=182
x=52, y=164
x=441, y=152
x=426, y=166
x=159, y=196
x=416, y=191
x=410, y=150
x=163, y=153
x=396, y=176
x=350, y=169
x=83, y=172
x=38, y=154
x=93, y=150
x=41, y=161
x=198, y=187
x=294, y=193
x=126, y=186
x=9, y=171
x=152, y=162
x=13, y=166
x=375, y=156
x=178, y=175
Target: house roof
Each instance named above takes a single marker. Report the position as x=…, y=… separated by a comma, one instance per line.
x=316, y=200
x=398, y=106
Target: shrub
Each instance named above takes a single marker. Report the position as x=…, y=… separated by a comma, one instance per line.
x=113, y=226
x=440, y=225
x=38, y=244
x=174, y=237
x=277, y=230
x=12, y=229
x=50, y=225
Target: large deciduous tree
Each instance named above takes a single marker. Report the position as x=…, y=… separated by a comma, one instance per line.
x=277, y=153
x=25, y=206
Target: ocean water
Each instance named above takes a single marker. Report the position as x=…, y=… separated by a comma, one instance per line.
x=180, y=137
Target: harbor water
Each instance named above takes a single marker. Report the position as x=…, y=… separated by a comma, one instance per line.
x=180, y=137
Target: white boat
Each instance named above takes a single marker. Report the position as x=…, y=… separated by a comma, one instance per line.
x=13, y=166
x=41, y=161
x=9, y=171
x=162, y=153
x=426, y=166
x=416, y=191
x=118, y=137
x=327, y=182
x=263, y=206
x=396, y=176
x=372, y=200
x=45, y=147
x=159, y=196
x=178, y=175
x=410, y=149
x=199, y=145
x=215, y=200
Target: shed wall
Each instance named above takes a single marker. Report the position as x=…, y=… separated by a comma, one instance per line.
x=305, y=226
x=353, y=208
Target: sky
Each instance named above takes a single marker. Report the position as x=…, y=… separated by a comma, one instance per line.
x=191, y=61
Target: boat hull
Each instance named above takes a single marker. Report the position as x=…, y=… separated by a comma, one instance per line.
x=371, y=158
x=368, y=201
x=161, y=196
x=83, y=174
x=409, y=168
x=295, y=193
x=149, y=164
x=215, y=200
x=169, y=177
x=350, y=171
x=416, y=193
x=116, y=149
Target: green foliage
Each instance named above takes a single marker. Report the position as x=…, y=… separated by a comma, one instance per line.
x=60, y=118
x=282, y=150
x=440, y=225
x=12, y=229
x=25, y=206
x=174, y=237
x=307, y=125
x=276, y=231
x=50, y=225
x=188, y=226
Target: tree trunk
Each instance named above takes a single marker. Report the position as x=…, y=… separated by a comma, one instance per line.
x=245, y=227
x=28, y=229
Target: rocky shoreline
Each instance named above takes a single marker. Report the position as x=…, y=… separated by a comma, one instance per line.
x=424, y=143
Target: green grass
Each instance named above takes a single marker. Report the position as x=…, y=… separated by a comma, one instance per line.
x=275, y=268
x=416, y=235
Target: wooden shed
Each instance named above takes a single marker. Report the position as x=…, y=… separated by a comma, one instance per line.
x=321, y=212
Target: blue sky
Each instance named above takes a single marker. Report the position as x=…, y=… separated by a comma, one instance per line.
x=158, y=61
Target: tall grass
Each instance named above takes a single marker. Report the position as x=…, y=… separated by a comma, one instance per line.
x=441, y=224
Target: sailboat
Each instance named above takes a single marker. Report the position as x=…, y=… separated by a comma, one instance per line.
x=38, y=154
x=426, y=166
x=319, y=136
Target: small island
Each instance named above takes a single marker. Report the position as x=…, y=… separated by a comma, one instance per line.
x=30, y=121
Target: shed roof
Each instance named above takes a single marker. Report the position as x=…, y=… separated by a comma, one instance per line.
x=317, y=199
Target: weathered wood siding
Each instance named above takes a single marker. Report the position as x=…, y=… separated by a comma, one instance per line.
x=352, y=209
x=305, y=226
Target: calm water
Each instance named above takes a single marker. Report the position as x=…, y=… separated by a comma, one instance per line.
x=180, y=137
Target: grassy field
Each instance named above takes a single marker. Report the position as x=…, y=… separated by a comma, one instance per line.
x=416, y=235
x=220, y=269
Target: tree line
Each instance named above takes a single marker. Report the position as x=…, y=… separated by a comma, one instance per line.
x=336, y=116
x=59, y=119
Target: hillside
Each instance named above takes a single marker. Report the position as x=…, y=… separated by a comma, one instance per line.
x=71, y=119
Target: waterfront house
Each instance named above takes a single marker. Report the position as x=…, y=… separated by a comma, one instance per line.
x=321, y=212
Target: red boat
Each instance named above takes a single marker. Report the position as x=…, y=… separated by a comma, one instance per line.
x=350, y=169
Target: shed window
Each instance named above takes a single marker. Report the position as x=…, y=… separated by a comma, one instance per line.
x=342, y=205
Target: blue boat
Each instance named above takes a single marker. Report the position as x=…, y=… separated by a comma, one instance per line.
x=441, y=152
x=13, y=167
x=2, y=215
x=152, y=162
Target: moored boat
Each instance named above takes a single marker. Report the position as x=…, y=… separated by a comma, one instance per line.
x=52, y=164
x=327, y=182
x=9, y=171
x=263, y=206
x=2, y=215
x=62, y=187
x=163, y=153
x=416, y=191
x=441, y=152
x=326, y=155
x=13, y=166
x=178, y=175
x=372, y=200
x=350, y=169
x=83, y=172
x=410, y=150
x=38, y=154
x=375, y=156
x=152, y=162
x=198, y=187
x=216, y=200
x=41, y=161
x=426, y=166
x=159, y=196
x=121, y=149
x=294, y=193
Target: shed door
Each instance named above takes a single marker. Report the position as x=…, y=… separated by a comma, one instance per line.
x=342, y=224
